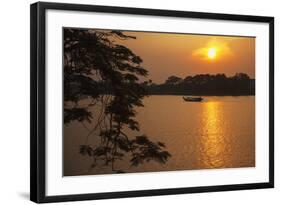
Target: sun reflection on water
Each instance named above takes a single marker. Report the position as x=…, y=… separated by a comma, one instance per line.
x=213, y=141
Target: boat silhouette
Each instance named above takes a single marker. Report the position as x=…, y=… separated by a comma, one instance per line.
x=193, y=99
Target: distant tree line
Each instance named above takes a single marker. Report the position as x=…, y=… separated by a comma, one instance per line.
x=204, y=84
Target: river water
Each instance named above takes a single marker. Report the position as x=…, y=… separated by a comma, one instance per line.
x=216, y=133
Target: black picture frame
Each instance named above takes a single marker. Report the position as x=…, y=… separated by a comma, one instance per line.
x=38, y=101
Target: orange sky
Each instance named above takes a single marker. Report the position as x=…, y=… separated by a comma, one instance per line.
x=166, y=54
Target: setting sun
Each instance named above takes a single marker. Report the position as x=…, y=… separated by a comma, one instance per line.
x=212, y=52
x=215, y=50
x=122, y=87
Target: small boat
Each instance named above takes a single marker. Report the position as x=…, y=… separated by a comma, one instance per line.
x=193, y=99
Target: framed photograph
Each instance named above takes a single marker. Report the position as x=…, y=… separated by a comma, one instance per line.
x=129, y=102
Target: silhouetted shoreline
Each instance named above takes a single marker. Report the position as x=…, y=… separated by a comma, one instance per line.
x=204, y=85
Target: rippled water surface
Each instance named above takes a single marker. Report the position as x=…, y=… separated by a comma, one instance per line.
x=216, y=133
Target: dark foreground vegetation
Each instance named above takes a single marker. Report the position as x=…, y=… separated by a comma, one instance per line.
x=94, y=66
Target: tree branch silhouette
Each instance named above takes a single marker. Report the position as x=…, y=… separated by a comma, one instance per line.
x=100, y=73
